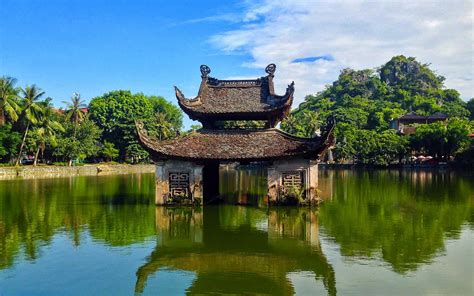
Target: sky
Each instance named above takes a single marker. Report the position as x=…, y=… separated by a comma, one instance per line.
x=92, y=47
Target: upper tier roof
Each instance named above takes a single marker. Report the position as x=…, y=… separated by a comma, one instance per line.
x=254, y=99
x=236, y=145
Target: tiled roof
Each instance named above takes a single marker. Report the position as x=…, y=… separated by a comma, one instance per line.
x=236, y=145
x=412, y=115
x=237, y=99
x=438, y=115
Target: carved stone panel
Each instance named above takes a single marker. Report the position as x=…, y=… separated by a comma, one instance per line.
x=179, y=184
x=293, y=179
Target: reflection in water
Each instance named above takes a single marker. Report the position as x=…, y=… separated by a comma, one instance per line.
x=243, y=184
x=238, y=250
x=117, y=210
x=402, y=216
x=393, y=218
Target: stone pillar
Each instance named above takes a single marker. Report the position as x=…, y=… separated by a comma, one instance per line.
x=162, y=187
x=273, y=178
x=188, y=175
x=312, y=180
x=297, y=170
x=196, y=187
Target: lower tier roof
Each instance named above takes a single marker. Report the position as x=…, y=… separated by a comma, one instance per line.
x=235, y=145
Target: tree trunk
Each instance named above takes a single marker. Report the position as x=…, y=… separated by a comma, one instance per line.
x=36, y=156
x=2, y=117
x=22, y=145
x=70, y=162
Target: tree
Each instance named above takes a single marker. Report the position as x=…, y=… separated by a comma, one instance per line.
x=442, y=140
x=429, y=139
x=305, y=124
x=194, y=127
x=457, y=138
x=85, y=145
x=115, y=113
x=45, y=131
x=173, y=114
x=8, y=99
x=470, y=108
x=9, y=142
x=163, y=126
x=241, y=124
x=74, y=112
x=30, y=111
x=109, y=151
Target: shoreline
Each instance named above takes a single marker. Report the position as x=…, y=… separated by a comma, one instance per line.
x=30, y=172
x=43, y=172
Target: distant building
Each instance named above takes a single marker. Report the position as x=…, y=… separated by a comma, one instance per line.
x=405, y=124
x=84, y=110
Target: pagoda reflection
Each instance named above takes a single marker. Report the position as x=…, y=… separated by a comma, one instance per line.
x=238, y=250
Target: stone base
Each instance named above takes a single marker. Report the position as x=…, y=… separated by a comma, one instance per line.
x=293, y=182
x=178, y=182
x=290, y=182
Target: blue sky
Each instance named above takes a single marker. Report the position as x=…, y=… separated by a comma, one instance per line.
x=92, y=47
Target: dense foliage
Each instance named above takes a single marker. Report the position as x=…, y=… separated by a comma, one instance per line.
x=364, y=103
x=33, y=131
x=115, y=113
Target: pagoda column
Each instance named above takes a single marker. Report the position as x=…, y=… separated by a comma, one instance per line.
x=178, y=178
x=297, y=173
x=161, y=189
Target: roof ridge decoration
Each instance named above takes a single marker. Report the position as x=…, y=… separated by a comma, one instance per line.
x=237, y=99
x=205, y=70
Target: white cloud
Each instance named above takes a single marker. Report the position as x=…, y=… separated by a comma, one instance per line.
x=358, y=35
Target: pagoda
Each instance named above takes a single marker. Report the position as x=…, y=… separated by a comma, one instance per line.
x=187, y=167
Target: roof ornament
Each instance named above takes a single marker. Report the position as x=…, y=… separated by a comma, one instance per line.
x=205, y=70
x=270, y=69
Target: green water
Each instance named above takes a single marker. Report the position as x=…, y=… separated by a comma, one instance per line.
x=384, y=232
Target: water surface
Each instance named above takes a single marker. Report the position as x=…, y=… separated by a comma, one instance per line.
x=381, y=232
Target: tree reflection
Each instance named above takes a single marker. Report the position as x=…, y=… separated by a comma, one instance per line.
x=117, y=210
x=402, y=217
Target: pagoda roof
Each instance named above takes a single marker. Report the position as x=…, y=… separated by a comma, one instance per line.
x=236, y=145
x=251, y=99
x=412, y=116
x=438, y=115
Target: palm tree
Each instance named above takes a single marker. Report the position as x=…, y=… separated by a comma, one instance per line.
x=8, y=96
x=163, y=125
x=74, y=112
x=290, y=124
x=312, y=123
x=30, y=111
x=46, y=130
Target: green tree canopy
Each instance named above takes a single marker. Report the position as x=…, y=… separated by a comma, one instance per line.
x=84, y=144
x=8, y=99
x=115, y=113
x=109, y=151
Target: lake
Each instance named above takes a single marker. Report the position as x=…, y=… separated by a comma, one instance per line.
x=377, y=232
